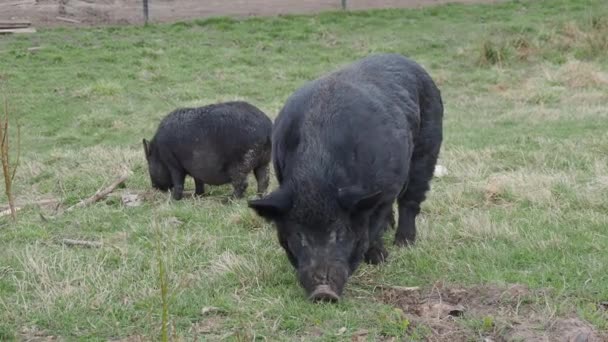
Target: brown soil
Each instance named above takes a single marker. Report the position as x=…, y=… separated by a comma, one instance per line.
x=45, y=13
x=33, y=334
x=506, y=313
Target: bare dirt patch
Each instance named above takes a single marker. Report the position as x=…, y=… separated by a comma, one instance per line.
x=47, y=13
x=34, y=334
x=501, y=314
x=211, y=324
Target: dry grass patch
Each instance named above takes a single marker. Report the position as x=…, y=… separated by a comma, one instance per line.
x=230, y=263
x=545, y=92
x=528, y=185
x=577, y=74
x=479, y=225
x=590, y=39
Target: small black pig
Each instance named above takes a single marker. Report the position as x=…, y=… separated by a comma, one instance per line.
x=345, y=148
x=215, y=144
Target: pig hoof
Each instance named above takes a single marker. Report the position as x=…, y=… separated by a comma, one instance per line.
x=324, y=293
x=404, y=242
x=376, y=255
x=237, y=195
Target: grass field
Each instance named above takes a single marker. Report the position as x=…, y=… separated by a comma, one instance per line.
x=516, y=232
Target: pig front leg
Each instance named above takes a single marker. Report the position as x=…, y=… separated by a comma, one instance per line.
x=177, y=177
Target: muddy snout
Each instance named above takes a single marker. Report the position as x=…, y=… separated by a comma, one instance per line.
x=324, y=293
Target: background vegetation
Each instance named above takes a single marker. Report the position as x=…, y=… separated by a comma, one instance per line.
x=525, y=86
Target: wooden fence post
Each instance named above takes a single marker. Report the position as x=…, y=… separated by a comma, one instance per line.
x=344, y=4
x=146, y=11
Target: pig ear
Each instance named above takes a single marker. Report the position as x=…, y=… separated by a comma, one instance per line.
x=146, y=148
x=354, y=198
x=272, y=206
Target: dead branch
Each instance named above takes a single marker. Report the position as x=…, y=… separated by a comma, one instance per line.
x=14, y=24
x=68, y=20
x=34, y=48
x=8, y=174
x=399, y=288
x=46, y=201
x=19, y=3
x=6, y=212
x=83, y=243
x=18, y=152
x=101, y=194
x=5, y=208
x=19, y=30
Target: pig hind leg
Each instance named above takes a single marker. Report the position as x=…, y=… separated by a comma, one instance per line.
x=238, y=179
x=422, y=166
x=199, y=187
x=238, y=172
x=262, y=177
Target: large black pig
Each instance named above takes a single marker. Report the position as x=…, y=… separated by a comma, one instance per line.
x=346, y=147
x=215, y=144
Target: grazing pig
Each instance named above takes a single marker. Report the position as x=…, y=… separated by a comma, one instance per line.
x=215, y=144
x=346, y=147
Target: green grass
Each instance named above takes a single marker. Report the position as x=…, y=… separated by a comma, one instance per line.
x=525, y=87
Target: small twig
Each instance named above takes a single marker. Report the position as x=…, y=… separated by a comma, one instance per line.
x=16, y=164
x=399, y=288
x=83, y=243
x=7, y=212
x=6, y=165
x=99, y=195
x=20, y=3
x=69, y=20
x=5, y=208
x=14, y=24
x=19, y=30
x=34, y=48
x=47, y=201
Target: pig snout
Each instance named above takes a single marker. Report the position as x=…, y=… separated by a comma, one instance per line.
x=324, y=283
x=324, y=293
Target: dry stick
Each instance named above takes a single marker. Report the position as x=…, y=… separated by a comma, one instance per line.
x=18, y=153
x=9, y=212
x=19, y=3
x=83, y=243
x=18, y=30
x=45, y=201
x=100, y=194
x=5, y=209
x=68, y=20
x=4, y=149
x=14, y=24
x=399, y=288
